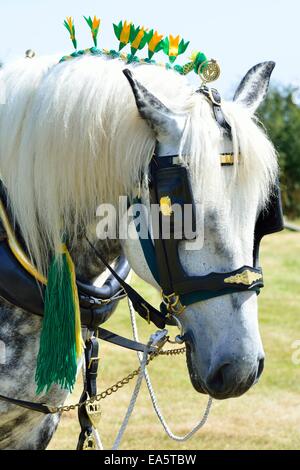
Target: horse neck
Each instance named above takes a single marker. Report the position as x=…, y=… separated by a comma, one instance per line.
x=87, y=265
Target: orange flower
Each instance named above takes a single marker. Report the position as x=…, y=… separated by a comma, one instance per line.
x=136, y=43
x=71, y=26
x=125, y=33
x=156, y=38
x=70, y=21
x=96, y=23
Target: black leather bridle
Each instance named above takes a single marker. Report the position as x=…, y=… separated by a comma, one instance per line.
x=169, y=183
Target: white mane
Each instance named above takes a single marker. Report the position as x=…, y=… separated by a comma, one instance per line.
x=71, y=138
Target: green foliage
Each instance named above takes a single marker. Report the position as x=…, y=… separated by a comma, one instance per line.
x=281, y=116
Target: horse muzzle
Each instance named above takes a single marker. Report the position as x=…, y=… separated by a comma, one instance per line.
x=226, y=377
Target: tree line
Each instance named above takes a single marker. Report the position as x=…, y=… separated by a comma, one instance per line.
x=280, y=115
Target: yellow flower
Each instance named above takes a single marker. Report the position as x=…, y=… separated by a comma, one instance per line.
x=125, y=34
x=174, y=44
x=156, y=38
x=70, y=21
x=194, y=56
x=135, y=44
x=96, y=22
x=71, y=26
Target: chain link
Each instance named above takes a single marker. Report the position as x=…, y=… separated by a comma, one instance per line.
x=118, y=385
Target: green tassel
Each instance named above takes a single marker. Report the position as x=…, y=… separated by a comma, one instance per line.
x=56, y=363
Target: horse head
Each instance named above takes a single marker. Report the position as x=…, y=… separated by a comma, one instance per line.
x=225, y=354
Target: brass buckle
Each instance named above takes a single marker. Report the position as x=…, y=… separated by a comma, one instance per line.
x=89, y=442
x=173, y=304
x=92, y=360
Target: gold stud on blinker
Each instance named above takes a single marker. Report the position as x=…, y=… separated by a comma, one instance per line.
x=166, y=206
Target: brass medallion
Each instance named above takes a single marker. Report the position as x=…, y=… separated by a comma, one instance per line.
x=209, y=71
x=94, y=413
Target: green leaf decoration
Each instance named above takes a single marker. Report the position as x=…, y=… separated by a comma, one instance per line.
x=183, y=46
x=118, y=29
x=94, y=25
x=124, y=33
x=69, y=25
x=198, y=59
x=89, y=21
x=166, y=45
x=155, y=43
x=134, y=31
x=139, y=39
x=179, y=69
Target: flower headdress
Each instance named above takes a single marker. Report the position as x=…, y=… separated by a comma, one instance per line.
x=138, y=38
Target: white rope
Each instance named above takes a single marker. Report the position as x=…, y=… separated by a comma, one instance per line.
x=143, y=361
x=99, y=445
x=144, y=373
x=159, y=414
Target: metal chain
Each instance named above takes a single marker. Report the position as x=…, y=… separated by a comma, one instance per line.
x=117, y=386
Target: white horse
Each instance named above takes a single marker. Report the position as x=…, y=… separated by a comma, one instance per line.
x=71, y=138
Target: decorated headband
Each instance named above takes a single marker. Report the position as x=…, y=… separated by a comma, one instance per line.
x=138, y=38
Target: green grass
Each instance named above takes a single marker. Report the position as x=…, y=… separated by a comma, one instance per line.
x=267, y=417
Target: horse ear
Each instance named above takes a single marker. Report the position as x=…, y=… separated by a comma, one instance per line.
x=167, y=125
x=254, y=86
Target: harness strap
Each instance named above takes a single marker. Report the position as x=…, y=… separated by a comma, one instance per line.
x=141, y=306
x=91, y=356
x=29, y=405
x=215, y=99
x=118, y=340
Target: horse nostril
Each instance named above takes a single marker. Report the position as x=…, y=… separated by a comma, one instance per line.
x=217, y=379
x=260, y=368
x=232, y=379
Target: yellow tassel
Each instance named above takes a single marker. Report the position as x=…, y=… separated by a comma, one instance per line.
x=78, y=336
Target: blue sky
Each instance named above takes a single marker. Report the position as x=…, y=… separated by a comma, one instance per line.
x=238, y=33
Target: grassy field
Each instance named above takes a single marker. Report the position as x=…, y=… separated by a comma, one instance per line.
x=267, y=417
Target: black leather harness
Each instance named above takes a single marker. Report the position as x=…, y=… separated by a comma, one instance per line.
x=22, y=290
